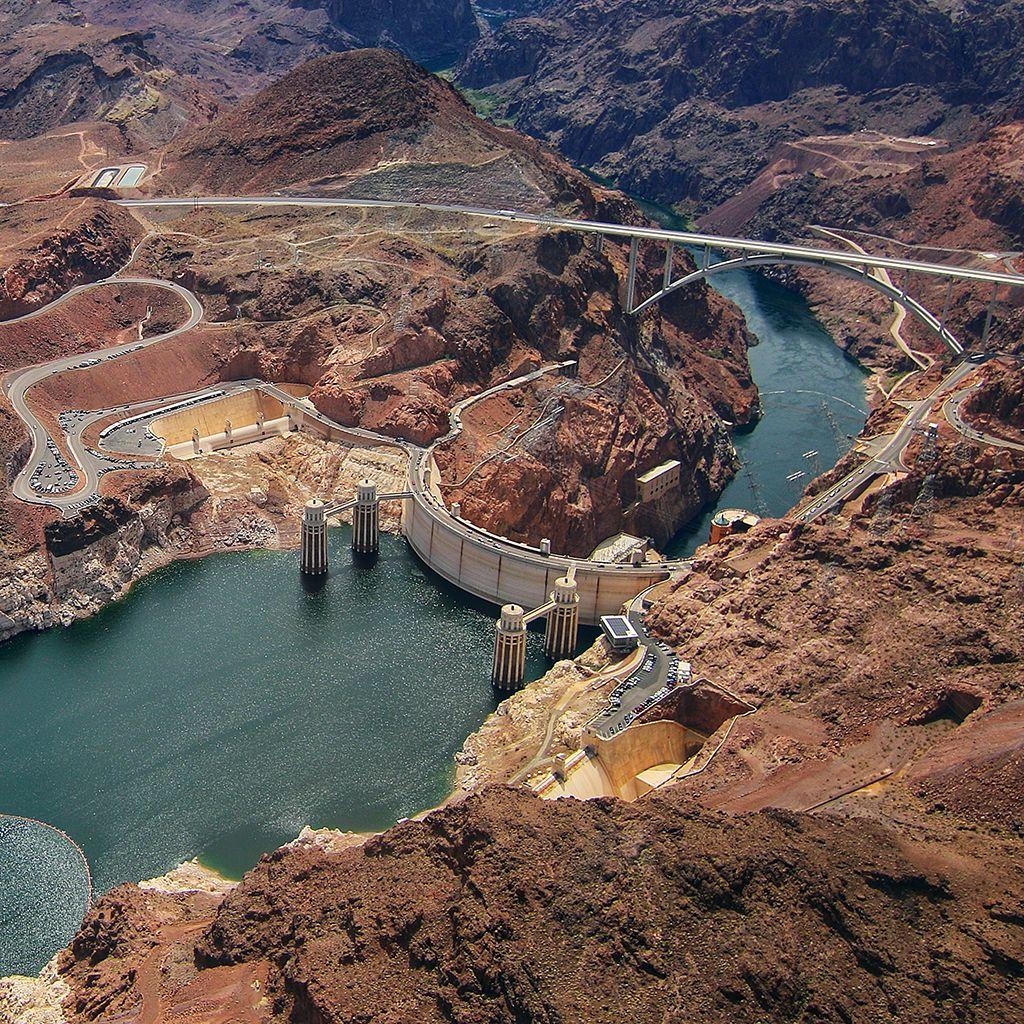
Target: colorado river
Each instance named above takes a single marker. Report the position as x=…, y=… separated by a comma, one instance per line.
x=220, y=708
x=812, y=395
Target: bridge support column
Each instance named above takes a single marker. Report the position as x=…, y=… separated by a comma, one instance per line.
x=509, y=665
x=988, y=316
x=666, y=277
x=313, y=546
x=634, y=249
x=563, y=623
x=366, y=520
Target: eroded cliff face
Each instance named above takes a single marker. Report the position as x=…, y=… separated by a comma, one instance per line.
x=47, y=250
x=86, y=562
x=683, y=102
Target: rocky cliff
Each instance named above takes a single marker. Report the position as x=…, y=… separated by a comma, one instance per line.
x=46, y=250
x=236, y=49
x=460, y=314
x=683, y=102
x=507, y=908
x=59, y=68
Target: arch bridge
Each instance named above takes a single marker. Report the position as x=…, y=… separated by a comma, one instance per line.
x=857, y=266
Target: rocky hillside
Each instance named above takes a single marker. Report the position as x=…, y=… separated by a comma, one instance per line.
x=246, y=46
x=59, y=68
x=683, y=102
x=507, y=908
x=961, y=206
x=45, y=250
x=371, y=124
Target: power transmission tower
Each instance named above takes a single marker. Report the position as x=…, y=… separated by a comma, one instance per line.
x=924, y=505
x=881, y=521
x=929, y=448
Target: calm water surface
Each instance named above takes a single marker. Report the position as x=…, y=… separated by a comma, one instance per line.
x=220, y=708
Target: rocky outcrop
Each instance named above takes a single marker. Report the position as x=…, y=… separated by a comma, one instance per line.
x=684, y=102
x=506, y=908
x=75, y=242
x=91, y=559
x=59, y=68
x=1000, y=399
x=235, y=50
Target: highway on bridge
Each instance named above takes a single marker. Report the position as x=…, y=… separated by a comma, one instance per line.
x=692, y=238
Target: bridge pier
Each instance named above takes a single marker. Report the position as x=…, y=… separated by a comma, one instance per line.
x=563, y=622
x=313, y=546
x=366, y=520
x=508, y=668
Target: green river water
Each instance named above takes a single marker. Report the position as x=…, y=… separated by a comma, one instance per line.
x=220, y=707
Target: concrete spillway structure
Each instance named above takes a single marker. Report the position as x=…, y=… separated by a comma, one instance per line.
x=563, y=620
x=509, y=665
x=366, y=520
x=313, y=546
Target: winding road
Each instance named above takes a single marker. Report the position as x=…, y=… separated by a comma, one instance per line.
x=17, y=384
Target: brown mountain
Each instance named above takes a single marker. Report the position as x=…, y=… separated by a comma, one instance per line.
x=58, y=68
x=684, y=101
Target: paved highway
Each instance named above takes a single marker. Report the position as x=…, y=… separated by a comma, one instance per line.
x=889, y=458
x=952, y=409
x=718, y=242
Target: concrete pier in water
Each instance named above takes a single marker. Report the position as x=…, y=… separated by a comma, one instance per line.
x=563, y=620
x=366, y=520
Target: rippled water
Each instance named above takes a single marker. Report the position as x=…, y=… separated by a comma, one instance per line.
x=43, y=893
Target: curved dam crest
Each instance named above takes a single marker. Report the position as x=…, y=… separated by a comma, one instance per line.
x=219, y=707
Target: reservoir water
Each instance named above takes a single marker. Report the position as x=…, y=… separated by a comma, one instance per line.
x=219, y=707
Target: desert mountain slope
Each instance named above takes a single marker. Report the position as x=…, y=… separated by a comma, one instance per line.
x=684, y=101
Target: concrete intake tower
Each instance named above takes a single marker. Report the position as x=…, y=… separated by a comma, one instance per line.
x=313, y=550
x=366, y=520
x=509, y=665
x=563, y=620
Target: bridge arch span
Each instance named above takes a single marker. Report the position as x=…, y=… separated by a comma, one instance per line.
x=912, y=306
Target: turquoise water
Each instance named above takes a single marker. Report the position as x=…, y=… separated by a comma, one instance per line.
x=221, y=707
x=812, y=395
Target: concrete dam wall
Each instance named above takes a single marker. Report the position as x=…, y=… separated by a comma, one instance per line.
x=503, y=573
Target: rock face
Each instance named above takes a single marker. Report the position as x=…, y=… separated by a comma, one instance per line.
x=507, y=908
x=50, y=250
x=237, y=49
x=483, y=308
x=86, y=562
x=60, y=68
x=937, y=206
x=684, y=101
